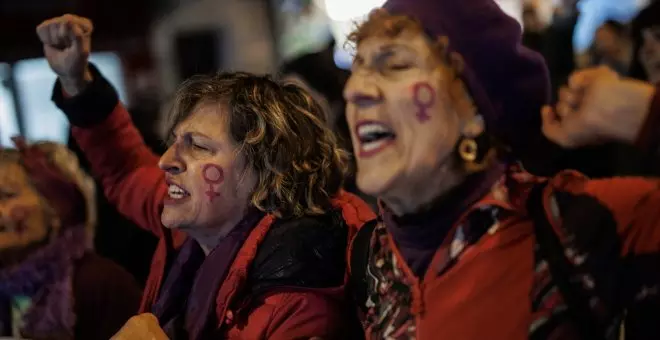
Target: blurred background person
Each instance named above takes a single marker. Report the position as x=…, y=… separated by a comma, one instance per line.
x=612, y=47
x=558, y=44
x=533, y=27
x=52, y=284
x=646, y=44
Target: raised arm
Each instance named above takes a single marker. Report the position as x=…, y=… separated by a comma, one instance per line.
x=103, y=129
x=599, y=106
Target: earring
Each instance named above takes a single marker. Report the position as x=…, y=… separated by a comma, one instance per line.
x=468, y=150
x=476, y=153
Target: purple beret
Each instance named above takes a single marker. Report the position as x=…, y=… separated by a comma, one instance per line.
x=508, y=82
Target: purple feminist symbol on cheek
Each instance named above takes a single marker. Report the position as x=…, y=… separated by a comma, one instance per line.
x=213, y=175
x=424, y=98
x=18, y=215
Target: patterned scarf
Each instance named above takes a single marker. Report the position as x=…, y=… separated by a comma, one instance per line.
x=46, y=277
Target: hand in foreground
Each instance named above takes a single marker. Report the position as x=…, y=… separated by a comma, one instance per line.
x=67, y=44
x=140, y=327
x=598, y=106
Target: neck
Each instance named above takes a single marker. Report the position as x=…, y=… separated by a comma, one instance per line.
x=416, y=196
x=209, y=238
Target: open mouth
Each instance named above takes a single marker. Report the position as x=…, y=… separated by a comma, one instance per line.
x=374, y=137
x=175, y=193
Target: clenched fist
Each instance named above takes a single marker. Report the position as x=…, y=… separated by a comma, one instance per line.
x=598, y=106
x=67, y=44
x=139, y=327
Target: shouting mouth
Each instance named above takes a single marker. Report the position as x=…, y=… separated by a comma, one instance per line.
x=176, y=194
x=373, y=137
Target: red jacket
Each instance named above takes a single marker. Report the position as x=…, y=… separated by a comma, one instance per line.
x=133, y=182
x=488, y=279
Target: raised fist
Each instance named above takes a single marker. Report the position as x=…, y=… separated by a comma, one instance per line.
x=597, y=106
x=67, y=43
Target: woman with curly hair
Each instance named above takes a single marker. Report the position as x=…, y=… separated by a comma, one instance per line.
x=52, y=285
x=246, y=201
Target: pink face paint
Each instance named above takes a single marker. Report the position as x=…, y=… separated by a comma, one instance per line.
x=424, y=97
x=18, y=215
x=213, y=175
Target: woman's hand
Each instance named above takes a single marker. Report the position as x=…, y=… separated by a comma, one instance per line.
x=141, y=327
x=597, y=106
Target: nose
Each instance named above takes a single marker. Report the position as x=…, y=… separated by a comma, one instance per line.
x=362, y=91
x=171, y=162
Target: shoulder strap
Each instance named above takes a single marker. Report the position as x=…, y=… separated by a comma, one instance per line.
x=560, y=268
x=360, y=252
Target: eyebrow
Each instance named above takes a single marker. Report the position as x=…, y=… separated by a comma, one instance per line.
x=192, y=134
x=387, y=51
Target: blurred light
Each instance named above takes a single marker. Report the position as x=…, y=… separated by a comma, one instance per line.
x=513, y=8
x=344, y=10
x=34, y=87
x=8, y=121
x=594, y=13
x=303, y=34
x=346, y=14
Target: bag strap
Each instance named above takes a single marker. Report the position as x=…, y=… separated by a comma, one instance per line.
x=560, y=268
x=360, y=252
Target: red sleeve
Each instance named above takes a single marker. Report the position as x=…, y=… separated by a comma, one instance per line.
x=634, y=203
x=126, y=167
x=118, y=156
x=300, y=315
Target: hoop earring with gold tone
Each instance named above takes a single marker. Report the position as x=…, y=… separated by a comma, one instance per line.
x=468, y=150
x=475, y=154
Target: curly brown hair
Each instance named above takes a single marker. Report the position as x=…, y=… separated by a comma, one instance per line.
x=281, y=131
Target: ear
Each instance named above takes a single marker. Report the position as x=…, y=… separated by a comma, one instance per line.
x=474, y=127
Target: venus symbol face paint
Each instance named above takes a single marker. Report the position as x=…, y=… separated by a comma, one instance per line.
x=18, y=217
x=213, y=176
x=424, y=99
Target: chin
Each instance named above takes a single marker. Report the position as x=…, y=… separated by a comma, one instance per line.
x=374, y=183
x=377, y=178
x=169, y=221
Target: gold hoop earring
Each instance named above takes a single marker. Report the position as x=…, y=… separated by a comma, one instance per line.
x=468, y=149
x=476, y=153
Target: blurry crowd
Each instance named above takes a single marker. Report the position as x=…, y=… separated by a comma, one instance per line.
x=630, y=48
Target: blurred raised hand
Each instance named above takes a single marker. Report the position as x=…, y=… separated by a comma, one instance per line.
x=598, y=106
x=67, y=44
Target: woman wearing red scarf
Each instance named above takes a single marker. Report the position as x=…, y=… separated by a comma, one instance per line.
x=52, y=285
x=246, y=201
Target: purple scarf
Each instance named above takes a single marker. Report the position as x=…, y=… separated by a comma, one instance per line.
x=47, y=278
x=186, y=304
x=419, y=235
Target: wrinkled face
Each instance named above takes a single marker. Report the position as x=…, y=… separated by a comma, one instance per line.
x=650, y=53
x=402, y=123
x=207, y=184
x=22, y=217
